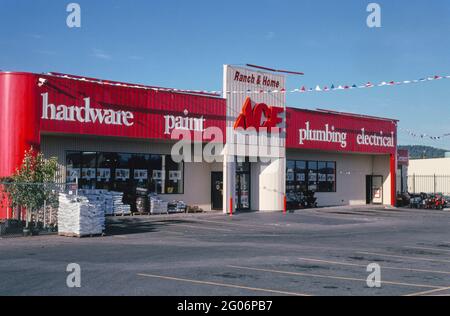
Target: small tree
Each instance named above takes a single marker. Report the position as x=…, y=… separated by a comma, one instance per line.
x=32, y=184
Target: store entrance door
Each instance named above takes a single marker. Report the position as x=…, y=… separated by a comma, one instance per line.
x=217, y=191
x=243, y=187
x=374, y=189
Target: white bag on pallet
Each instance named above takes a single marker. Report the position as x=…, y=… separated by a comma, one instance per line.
x=158, y=206
x=80, y=216
x=112, y=201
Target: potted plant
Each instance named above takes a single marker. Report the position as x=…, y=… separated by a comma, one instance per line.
x=31, y=185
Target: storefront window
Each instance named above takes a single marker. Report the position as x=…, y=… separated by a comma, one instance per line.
x=156, y=173
x=124, y=172
x=106, y=164
x=322, y=177
x=331, y=176
x=242, y=165
x=174, y=176
x=291, y=187
x=73, y=166
x=139, y=170
x=290, y=173
x=312, y=176
x=88, y=170
x=302, y=176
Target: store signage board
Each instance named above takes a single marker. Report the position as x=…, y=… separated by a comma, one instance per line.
x=140, y=174
x=340, y=132
x=87, y=108
x=403, y=157
x=84, y=114
x=258, y=116
x=88, y=173
x=247, y=109
x=123, y=174
x=103, y=174
x=157, y=174
x=72, y=174
x=175, y=176
x=184, y=123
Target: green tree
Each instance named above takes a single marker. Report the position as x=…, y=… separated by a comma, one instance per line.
x=32, y=185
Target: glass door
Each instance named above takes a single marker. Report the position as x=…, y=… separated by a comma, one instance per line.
x=217, y=190
x=243, y=186
x=374, y=189
x=377, y=190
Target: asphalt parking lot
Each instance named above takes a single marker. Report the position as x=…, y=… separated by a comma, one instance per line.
x=313, y=252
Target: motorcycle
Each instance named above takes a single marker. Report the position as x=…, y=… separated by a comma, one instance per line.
x=309, y=200
x=301, y=200
x=428, y=201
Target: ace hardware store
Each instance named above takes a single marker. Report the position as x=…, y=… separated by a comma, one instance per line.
x=116, y=136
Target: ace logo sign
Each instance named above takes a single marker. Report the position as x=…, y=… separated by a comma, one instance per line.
x=258, y=116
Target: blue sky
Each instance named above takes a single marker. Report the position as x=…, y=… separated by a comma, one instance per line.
x=183, y=44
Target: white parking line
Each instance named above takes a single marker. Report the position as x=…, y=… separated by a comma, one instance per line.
x=221, y=285
x=364, y=266
x=429, y=292
x=334, y=277
x=403, y=257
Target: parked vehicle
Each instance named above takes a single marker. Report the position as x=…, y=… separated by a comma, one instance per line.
x=301, y=200
x=403, y=199
x=415, y=201
x=428, y=201
x=309, y=200
x=438, y=202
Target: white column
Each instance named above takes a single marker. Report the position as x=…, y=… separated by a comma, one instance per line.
x=229, y=183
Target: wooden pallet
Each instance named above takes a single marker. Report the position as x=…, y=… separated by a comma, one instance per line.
x=141, y=214
x=122, y=215
x=73, y=235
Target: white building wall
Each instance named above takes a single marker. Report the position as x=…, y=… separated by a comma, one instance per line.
x=351, y=172
x=197, y=176
x=429, y=167
x=429, y=176
x=382, y=167
x=268, y=181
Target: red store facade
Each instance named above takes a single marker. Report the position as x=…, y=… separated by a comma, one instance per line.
x=117, y=136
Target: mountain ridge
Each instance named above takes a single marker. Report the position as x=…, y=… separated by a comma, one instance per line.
x=424, y=152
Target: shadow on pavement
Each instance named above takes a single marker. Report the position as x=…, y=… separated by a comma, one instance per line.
x=131, y=225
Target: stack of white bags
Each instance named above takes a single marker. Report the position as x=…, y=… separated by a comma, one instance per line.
x=158, y=206
x=80, y=215
x=118, y=208
x=112, y=201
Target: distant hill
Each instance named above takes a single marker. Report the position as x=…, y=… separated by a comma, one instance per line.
x=420, y=152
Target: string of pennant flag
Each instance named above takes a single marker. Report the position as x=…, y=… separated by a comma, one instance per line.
x=333, y=87
x=303, y=89
x=423, y=136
